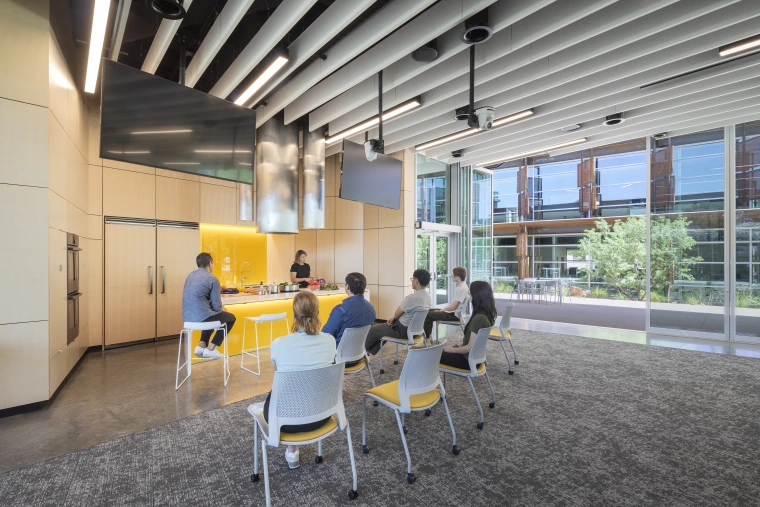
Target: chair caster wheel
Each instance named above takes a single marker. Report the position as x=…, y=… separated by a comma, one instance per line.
x=410, y=478
x=352, y=494
x=491, y=405
x=427, y=413
x=318, y=459
x=406, y=430
x=375, y=403
x=480, y=425
x=455, y=450
x=511, y=372
x=365, y=449
x=255, y=477
x=382, y=371
x=517, y=362
x=395, y=362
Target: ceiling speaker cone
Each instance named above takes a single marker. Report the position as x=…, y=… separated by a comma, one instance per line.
x=168, y=9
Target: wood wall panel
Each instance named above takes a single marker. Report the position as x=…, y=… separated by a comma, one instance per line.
x=178, y=199
x=218, y=204
x=128, y=194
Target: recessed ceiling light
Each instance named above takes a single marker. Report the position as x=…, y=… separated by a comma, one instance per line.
x=366, y=125
x=472, y=131
x=263, y=78
x=534, y=152
x=99, y=22
x=146, y=132
x=751, y=43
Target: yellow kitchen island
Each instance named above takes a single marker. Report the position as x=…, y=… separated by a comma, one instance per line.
x=247, y=305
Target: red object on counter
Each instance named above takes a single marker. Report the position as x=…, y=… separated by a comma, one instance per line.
x=314, y=285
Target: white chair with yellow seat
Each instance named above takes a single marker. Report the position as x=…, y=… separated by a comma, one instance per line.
x=477, y=355
x=503, y=333
x=187, y=332
x=352, y=347
x=302, y=397
x=465, y=306
x=419, y=388
x=261, y=319
x=415, y=334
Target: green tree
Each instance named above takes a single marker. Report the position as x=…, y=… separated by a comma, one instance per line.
x=670, y=252
x=618, y=255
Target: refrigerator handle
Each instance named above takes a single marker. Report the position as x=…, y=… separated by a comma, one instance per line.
x=150, y=279
x=163, y=279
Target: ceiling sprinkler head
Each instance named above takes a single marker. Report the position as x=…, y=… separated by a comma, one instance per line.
x=476, y=29
x=457, y=153
x=426, y=53
x=169, y=9
x=570, y=128
x=613, y=119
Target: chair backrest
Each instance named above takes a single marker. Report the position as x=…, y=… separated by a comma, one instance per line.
x=478, y=350
x=419, y=374
x=352, y=344
x=464, y=308
x=272, y=317
x=505, y=324
x=306, y=396
x=416, y=326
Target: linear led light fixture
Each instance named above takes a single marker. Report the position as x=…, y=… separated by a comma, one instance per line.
x=144, y=132
x=740, y=46
x=98, y=34
x=366, y=125
x=263, y=78
x=182, y=163
x=534, y=152
x=130, y=152
x=222, y=151
x=472, y=131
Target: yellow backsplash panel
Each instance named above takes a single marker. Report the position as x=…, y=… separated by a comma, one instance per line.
x=231, y=246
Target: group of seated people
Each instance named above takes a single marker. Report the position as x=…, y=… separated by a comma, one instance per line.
x=310, y=345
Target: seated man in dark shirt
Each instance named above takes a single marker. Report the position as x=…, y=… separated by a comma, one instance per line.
x=354, y=311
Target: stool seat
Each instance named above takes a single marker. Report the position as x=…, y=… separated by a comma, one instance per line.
x=260, y=319
x=203, y=326
x=268, y=317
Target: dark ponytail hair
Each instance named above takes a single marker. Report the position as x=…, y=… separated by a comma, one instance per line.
x=481, y=295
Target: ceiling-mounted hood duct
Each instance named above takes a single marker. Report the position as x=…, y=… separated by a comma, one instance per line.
x=313, y=173
x=245, y=202
x=276, y=168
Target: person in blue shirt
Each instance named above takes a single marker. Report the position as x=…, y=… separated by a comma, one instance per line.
x=354, y=311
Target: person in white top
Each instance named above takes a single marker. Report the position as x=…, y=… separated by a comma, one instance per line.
x=453, y=311
x=305, y=348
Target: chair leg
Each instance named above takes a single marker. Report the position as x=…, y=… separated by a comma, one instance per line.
x=493, y=395
x=354, y=491
x=381, y=357
x=396, y=361
x=319, y=458
x=410, y=478
x=454, y=448
x=477, y=402
x=266, y=471
x=177, y=383
x=365, y=448
x=403, y=423
x=226, y=367
x=509, y=363
x=255, y=477
x=513, y=351
x=369, y=370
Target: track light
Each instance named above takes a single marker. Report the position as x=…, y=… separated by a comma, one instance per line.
x=534, y=152
x=366, y=125
x=752, y=43
x=472, y=131
x=98, y=34
x=263, y=78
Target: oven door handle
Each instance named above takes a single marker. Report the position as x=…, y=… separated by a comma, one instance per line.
x=71, y=297
x=73, y=249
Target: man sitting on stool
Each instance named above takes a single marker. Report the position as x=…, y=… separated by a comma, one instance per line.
x=202, y=302
x=453, y=311
x=419, y=300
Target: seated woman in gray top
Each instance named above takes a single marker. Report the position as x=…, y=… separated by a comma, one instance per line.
x=396, y=326
x=202, y=302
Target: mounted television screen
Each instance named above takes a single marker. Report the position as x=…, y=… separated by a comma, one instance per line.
x=377, y=182
x=150, y=121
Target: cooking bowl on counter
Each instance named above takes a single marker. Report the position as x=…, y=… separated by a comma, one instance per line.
x=273, y=289
x=294, y=287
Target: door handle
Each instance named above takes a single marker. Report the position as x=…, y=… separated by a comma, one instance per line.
x=150, y=279
x=163, y=279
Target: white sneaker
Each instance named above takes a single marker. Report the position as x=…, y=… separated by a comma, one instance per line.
x=293, y=459
x=212, y=354
x=258, y=407
x=199, y=351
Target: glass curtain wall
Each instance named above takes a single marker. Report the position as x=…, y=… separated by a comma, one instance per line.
x=482, y=226
x=432, y=193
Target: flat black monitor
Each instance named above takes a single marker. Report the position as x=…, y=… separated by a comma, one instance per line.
x=150, y=121
x=377, y=182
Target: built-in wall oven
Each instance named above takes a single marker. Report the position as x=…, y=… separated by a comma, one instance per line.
x=72, y=286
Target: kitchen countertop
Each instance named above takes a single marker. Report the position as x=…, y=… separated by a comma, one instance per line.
x=238, y=299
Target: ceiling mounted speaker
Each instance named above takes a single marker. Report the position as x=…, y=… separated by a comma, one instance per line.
x=613, y=119
x=476, y=29
x=169, y=9
x=462, y=113
x=426, y=53
x=457, y=153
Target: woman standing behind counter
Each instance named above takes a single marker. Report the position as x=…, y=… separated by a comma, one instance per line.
x=300, y=272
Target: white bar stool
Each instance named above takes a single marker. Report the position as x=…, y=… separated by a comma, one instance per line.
x=261, y=319
x=187, y=331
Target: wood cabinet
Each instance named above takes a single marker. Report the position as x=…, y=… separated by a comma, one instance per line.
x=218, y=204
x=130, y=283
x=178, y=199
x=129, y=193
x=175, y=253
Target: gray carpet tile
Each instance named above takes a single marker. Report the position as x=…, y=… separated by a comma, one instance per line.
x=583, y=422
